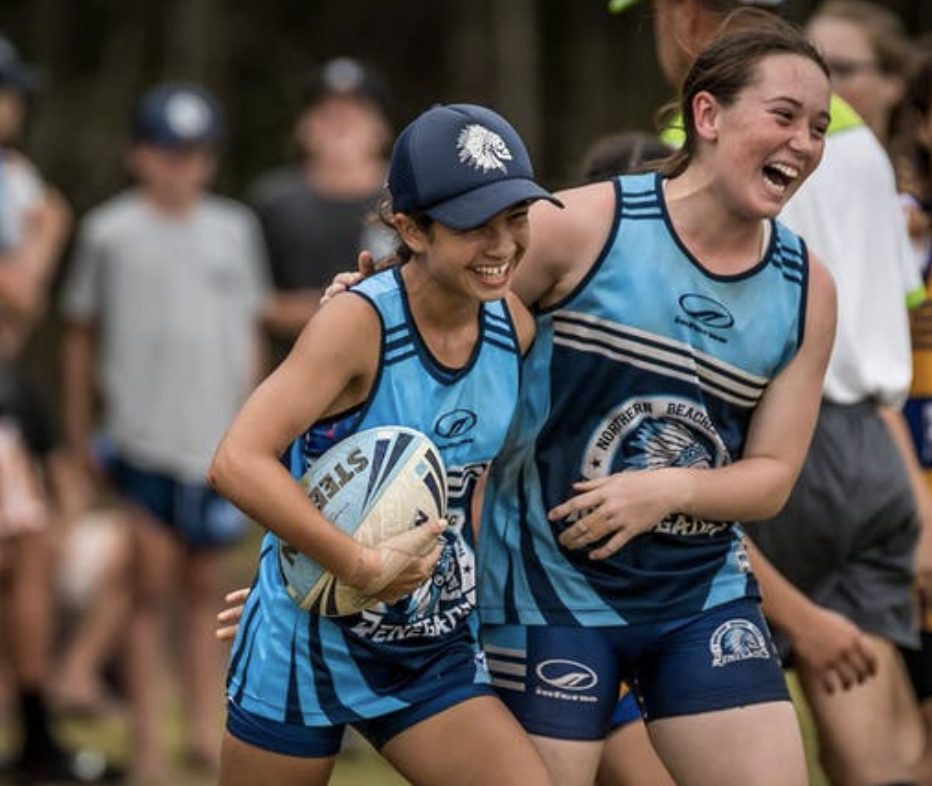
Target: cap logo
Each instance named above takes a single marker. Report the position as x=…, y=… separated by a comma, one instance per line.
x=187, y=114
x=482, y=149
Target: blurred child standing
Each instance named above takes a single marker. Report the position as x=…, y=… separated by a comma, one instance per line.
x=162, y=305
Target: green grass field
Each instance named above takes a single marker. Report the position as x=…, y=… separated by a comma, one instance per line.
x=361, y=766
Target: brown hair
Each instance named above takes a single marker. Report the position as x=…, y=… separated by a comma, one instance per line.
x=384, y=213
x=728, y=64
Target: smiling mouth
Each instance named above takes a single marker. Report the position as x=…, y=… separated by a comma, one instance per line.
x=492, y=273
x=780, y=176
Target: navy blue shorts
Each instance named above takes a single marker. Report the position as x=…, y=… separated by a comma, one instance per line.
x=563, y=682
x=292, y=739
x=197, y=514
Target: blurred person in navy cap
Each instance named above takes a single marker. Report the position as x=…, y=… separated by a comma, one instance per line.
x=313, y=213
x=163, y=300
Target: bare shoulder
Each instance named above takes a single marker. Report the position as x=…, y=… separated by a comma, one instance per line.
x=523, y=321
x=565, y=242
x=344, y=330
x=585, y=219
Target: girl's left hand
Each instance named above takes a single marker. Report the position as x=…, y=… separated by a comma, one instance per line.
x=626, y=504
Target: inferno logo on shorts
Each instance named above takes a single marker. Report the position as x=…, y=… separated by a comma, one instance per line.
x=737, y=640
x=567, y=675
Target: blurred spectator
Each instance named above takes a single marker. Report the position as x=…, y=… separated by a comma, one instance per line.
x=861, y=474
x=313, y=214
x=868, y=55
x=164, y=294
x=34, y=223
x=914, y=166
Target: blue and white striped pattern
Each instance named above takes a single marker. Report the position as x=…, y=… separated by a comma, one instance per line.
x=652, y=361
x=658, y=355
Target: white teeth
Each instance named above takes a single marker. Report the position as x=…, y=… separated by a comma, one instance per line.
x=786, y=170
x=492, y=271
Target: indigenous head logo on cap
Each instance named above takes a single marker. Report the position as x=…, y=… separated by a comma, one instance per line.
x=460, y=164
x=482, y=149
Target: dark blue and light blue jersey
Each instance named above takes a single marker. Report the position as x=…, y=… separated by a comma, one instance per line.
x=297, y=667
x=653, y=361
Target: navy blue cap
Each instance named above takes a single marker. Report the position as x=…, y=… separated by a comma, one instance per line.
x=178, y=115
x=346, y=77
x=14, y=72
x=461, y=164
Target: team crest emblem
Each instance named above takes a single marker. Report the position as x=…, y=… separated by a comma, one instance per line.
x=737, y=640
x=482, y=149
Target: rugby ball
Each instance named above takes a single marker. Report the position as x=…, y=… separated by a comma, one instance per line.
x=373, y=485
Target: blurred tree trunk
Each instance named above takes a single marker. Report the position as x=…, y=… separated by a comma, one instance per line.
x=581, y=118
x=516, y=35
x=493, y=58
x=468, y=60
x=194, y=35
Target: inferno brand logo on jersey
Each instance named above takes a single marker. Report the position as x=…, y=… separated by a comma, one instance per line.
x=456, y=424
x=652, y=432
x=704, y=314
x=737, y=640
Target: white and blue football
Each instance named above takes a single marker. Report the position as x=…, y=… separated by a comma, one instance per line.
x=373, y=485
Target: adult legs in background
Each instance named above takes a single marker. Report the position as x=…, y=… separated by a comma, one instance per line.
x=871, y=734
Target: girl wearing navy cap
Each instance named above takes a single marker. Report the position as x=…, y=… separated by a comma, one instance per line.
x=439, y=333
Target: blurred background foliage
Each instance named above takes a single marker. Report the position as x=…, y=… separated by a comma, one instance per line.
x=564, y=71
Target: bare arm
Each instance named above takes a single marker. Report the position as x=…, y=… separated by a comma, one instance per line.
x=330, y=369
x=25, y=271
x=564, y=243
x=823, y=640
x=753, y=488
x=287, y=312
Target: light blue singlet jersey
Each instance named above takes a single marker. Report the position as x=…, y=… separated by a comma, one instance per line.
x=293, y=666
x=651, y=362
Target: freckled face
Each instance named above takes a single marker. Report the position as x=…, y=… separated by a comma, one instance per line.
x=772, y=137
